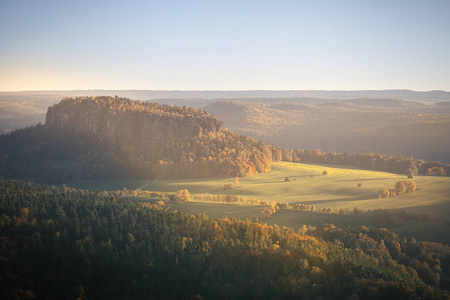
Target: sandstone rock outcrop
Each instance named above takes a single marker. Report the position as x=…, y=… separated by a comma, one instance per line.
x=122, y=121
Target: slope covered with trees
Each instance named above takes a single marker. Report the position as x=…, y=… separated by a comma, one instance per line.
x=110, y=137
x=354, y=126
x=61, y=243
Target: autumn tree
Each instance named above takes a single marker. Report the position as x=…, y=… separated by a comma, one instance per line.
x=400, y=188
x=317, y=153
x=182, y=196
x=277, y=154
x=410, y=186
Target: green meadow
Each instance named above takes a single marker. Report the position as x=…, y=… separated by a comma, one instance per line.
x=307, y=185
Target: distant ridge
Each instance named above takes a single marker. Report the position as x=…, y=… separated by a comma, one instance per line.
x=408, y=95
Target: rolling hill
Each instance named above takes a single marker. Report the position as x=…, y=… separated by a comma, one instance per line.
x=358, y=126
x=338, y=189
x=342, y=189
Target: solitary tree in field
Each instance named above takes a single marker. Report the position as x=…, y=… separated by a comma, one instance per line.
x=410, y=173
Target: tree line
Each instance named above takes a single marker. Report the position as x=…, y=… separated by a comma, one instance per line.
x=367, y=161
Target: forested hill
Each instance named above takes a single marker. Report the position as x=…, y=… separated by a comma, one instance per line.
x=120, y=120
x=66, y=244
x=111, y=137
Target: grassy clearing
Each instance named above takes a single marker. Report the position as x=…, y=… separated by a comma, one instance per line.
x=336, y=190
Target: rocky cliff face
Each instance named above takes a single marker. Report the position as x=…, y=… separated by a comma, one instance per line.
x=122, y=121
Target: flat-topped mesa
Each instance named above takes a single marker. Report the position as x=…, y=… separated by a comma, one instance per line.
x=120, y=120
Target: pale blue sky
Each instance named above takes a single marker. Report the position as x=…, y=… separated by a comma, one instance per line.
x=224, y=45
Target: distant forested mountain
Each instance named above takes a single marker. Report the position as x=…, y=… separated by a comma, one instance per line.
x=112, y=137
x=27, y=108
x=392, y=127
x=408, y=95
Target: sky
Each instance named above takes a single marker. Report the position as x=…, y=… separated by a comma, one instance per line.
x=224, y=45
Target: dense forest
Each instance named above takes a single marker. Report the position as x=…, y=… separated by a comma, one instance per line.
x=58, y=243
x=121, y=138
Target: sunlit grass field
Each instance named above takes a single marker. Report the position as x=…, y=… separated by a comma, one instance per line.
x=307, y=185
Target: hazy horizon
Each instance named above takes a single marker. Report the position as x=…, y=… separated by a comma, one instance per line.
x=227, y=90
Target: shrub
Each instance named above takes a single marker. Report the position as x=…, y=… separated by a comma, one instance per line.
x=228, y=186
x=325, y=172
x=383, y=193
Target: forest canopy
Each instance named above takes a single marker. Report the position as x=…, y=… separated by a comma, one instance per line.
x=59, y=242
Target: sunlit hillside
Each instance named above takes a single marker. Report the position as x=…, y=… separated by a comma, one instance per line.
x=307, y=185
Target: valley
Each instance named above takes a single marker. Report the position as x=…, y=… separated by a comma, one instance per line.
x=203, y=150
x=169, y=193
x=337, y=190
